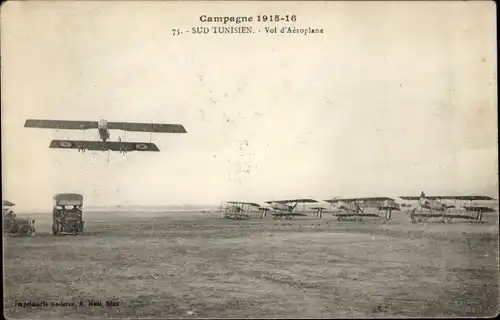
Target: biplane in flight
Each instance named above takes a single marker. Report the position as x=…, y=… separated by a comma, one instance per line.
x=438, y=209
x=358, y=208
x=283, y=208
x=238, y=210
x=103, y=128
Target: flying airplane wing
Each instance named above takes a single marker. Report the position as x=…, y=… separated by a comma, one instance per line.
x=103, y=146
x=60, y=124
x=147, y=127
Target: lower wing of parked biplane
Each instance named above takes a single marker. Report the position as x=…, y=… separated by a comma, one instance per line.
x=287, y=215
x=236, y=215
x=445, y=217
x=82, y=145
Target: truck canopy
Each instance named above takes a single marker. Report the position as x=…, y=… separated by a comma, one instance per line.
x=7, y=203
x=62, y=199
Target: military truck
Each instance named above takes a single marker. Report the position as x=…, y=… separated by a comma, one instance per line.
x=67, y=215
x=14, y=225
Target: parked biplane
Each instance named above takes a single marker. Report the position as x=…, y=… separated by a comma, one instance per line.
x=237, y=210
x=283, y=208
x=103, y=128
x=446, y=211
x=358, y=208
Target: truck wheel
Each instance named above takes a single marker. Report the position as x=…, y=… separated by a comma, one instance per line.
x=8, y=226
x=23, y=230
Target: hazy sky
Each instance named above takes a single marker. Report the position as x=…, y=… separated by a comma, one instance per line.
x=392, y=99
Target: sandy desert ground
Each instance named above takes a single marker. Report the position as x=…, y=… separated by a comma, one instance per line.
x=195, y=265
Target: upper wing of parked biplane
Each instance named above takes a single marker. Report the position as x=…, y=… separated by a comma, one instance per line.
x=60, y=124
x=318, y=208
x=147, y=127
x=103, y=146
x=476, y=208
x=470, y=198
x=335, y=200
x=243, y=203
x=293, y=201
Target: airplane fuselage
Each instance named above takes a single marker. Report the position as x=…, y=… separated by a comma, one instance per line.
x=234, y=208
x=432, y=205
x=281, y=207
x=102, y=127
